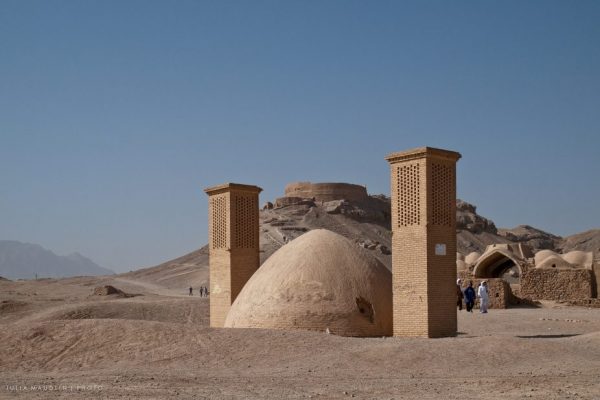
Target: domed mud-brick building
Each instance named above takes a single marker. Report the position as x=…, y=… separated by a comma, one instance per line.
x=319, y=281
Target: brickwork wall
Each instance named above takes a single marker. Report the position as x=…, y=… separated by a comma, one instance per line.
x=244, y=263
x=218, y=221
x=220, y=286
x=441, y=222
x=442, y=283
x=423, y=189
x=234, y=244
x=557, y=284
x=353, y=325
x=409, y=282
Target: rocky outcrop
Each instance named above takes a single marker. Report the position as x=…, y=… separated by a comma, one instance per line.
x=584, y=241
x=109, y=290
x=533, y=237
x=468, y=219
x=281, y=202
x=474, y=232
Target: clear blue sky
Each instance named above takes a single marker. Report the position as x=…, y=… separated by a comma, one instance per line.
x=114, y=115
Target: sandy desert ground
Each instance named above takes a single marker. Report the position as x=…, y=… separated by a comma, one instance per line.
x=59, y=341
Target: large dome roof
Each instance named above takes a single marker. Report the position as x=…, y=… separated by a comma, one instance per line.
x=541, y=255
x=554, y=261
x=580, y=258
x=320, y=280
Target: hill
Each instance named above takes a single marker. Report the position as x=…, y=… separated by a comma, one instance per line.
x=365, y=220
x=584, y=241
x=24, y=260
x=181, y=272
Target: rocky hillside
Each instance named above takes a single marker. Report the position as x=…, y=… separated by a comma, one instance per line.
x=25, y=260
x=584, y=241
x=533, y=237
x=366, y=221
x=178, y=273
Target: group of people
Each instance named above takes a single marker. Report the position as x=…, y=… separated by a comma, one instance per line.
x=470, y=295
x=203, y=291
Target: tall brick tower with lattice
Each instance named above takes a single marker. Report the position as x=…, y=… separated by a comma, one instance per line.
x=424, y=242
x=233, y=244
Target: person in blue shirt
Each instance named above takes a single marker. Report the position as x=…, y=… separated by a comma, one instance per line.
x=470, y=297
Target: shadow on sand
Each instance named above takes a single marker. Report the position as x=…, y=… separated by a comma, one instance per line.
x=548, y=336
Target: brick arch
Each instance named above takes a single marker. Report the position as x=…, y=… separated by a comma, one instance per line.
x=488, y=264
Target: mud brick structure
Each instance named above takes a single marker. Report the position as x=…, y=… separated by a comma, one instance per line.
x=327, y=191
x=233, y=244
x=500, y=293
x=423, y=191
x=558, y=284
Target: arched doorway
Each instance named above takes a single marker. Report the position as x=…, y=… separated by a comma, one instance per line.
x=498, y=264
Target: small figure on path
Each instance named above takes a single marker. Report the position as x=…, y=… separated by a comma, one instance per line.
x=482, y=293
x=470, y=297
x=191, y=291
x=459, y=294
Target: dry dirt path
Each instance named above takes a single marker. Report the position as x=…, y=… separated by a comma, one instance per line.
x=153, y=288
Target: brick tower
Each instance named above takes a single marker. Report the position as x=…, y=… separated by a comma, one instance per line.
x=233, y=244
x=424, y=242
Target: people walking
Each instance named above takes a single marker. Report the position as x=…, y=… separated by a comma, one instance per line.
x=483, y=294
x=469, y=297
x=203, y=291
x=459, y=294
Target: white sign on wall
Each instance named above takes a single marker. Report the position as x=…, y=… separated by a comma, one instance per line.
x=440, y=249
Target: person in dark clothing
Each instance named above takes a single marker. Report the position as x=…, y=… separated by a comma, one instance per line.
x=459, y=294
x=191, y=291
x=470, y=297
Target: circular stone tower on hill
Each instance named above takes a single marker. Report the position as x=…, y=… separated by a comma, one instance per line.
x=327, y=191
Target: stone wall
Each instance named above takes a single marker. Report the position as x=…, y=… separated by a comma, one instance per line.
x=281, y=202
x=499, y=291
x=557, y=284
x=327, y=191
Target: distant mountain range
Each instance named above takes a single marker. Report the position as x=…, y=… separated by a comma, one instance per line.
x=24, y=260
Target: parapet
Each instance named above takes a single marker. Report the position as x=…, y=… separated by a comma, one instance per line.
x=327, y=191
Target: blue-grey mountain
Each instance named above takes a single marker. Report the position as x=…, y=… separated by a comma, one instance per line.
x=24, y=260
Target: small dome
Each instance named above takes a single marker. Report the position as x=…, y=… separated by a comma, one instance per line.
x=472, y=258
x=460, y=256
x=541, y=255
x=554, y=261
x=319, y=280
x=580, y=258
